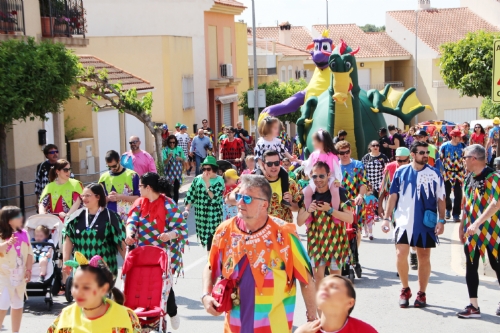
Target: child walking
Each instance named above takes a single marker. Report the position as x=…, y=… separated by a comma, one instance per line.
x=16, y=260
x=370, y=212
x=269, y=129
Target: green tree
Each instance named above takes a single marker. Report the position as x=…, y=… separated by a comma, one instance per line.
x=34, y=80
x=276, y=93
x=467, y=65
x=372, y=28
x=489, y=110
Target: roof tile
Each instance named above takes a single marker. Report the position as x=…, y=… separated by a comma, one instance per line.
x=232, y=3
x=300, y=36
x=371, y=45
x=439, y=26
x=115, y=74
x=280, y=48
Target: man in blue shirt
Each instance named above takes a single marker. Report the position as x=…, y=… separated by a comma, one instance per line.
x=199, y=147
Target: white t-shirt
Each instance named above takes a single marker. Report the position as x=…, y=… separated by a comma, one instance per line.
x=263, y=145
x=184, y=140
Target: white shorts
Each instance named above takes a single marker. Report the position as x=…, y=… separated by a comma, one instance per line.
x=333, y=265
x=6, y=301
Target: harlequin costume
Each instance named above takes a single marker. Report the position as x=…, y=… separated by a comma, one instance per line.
x=369, y=213
x=101, y=238
x=353, y=177
x=150, y=219
x=173, y=168
x=125, y=182
x=231, y=150
x=13, y=266
x=479, y=191
x=60, y=198
x=272, y=258
x=453, y=174
x=117, y=319
x=207, y=211
x=327, y=240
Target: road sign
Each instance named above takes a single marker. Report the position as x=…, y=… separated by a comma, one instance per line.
x=261, y=95
x=496, y=72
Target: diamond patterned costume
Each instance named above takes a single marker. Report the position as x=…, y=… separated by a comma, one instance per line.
x=207, y=211
x=479, y=191
x=451, y=159
x=125, y=182
x=231, y=150
x=353, y=177
x=103, y=238
x=173, y=168
x=145, y=220
x=327, y=241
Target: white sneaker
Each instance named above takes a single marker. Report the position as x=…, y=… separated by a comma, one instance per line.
x=175, y=322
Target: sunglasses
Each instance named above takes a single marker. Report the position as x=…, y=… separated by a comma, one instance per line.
x=422, y=153
x=275, y=163
x=342, y=153
x=66, y=169
x=52, y=152
x=171, y=142
x=402, y=161
x=113, y=166
x=318, y=176
x=246, y=198
x=133, y=142
x=206, y=169
x=466, y=157
x=375, y=146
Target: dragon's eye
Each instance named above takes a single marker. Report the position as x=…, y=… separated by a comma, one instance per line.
x=326, y=47
x=332, y=64
x=316, y=46
x=348, y=65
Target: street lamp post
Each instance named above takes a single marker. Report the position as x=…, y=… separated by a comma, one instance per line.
x=326, y=14
x=416, y=56
x=255, y=78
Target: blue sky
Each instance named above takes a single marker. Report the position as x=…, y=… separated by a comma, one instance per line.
x=309, y=12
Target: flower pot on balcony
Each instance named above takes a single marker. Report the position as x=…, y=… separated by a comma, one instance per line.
x=10, y=27
x=47, y=22
x=60, y=30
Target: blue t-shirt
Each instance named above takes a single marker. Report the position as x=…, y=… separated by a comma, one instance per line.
x=198, y=146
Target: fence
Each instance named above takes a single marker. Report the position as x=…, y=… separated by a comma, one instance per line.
x=11, y=17
x=18, y=196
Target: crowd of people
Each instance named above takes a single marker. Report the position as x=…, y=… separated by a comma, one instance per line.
x=244, y=194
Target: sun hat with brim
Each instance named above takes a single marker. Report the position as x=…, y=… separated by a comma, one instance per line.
x=496, y=121
x=421, y=133
x=210, y=160
x=455, y=132
x=178, y=125
x=231, y=174
x=402, y=152
x=183, y=127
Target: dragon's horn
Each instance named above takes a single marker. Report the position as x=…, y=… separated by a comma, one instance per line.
x=343, y=46
x=324, y=34
x=355, y=51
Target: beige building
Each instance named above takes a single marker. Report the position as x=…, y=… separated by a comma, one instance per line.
x=436, y=27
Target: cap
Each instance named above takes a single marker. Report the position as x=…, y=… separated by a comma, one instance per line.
x=402, y=151
x=421, y=133
x=455, y=132
x=178, y=125
x=496, y=121
x=232, y=174
x=165, y=127
x=183, y=127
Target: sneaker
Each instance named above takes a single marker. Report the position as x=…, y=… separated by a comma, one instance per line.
x=404, y=298
x=41, y=279
x=469, y=312
x=370, y=237
x=413, y=261
x=448, y=215
x=175, y=322
x=421, y=300
x=456, y=219
x=498, y=310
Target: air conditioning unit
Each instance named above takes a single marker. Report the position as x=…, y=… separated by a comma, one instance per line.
x=226, y=70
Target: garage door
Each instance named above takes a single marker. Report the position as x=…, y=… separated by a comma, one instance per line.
x=226, y=109
x=108, y=130
x=459, y=116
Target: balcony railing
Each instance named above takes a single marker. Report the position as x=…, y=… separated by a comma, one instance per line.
x=438, y=84
x=62, y=18
x=11, y=17
x=380, y=86
x=263, y=71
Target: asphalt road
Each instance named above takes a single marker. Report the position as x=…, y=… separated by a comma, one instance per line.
x=377, y=293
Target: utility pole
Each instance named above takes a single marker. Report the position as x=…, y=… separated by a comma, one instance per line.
x=255, y=77
x=416, y=56
x=326, y=14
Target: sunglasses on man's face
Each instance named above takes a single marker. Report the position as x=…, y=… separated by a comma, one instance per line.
x=133, y=142
x=342, y=153
x=275, y=163
x=113, y=166
x=206, y=169
x=422, y=153
x=402, y=161
x=318, y=176
x=246, y=198
x=52, y=152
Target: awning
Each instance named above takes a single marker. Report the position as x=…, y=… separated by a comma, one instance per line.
x=226, y=99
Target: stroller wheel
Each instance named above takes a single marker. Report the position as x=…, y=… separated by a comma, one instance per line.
x=351, y=275
x=49, y=303
x=56, y=286
x=67, y=291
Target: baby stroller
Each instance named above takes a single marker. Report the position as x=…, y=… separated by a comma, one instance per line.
x=53, y=279
x=146, y=284
x=225, y=165
x=352, y=268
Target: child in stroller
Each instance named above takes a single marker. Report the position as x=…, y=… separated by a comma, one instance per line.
x=42, y=253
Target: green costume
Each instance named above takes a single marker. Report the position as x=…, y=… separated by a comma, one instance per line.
x=59, y=198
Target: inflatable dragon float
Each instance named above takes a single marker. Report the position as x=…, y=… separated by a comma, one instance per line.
x=333, y=100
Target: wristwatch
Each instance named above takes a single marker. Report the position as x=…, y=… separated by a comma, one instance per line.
x=330, y=211
x=443, y=221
